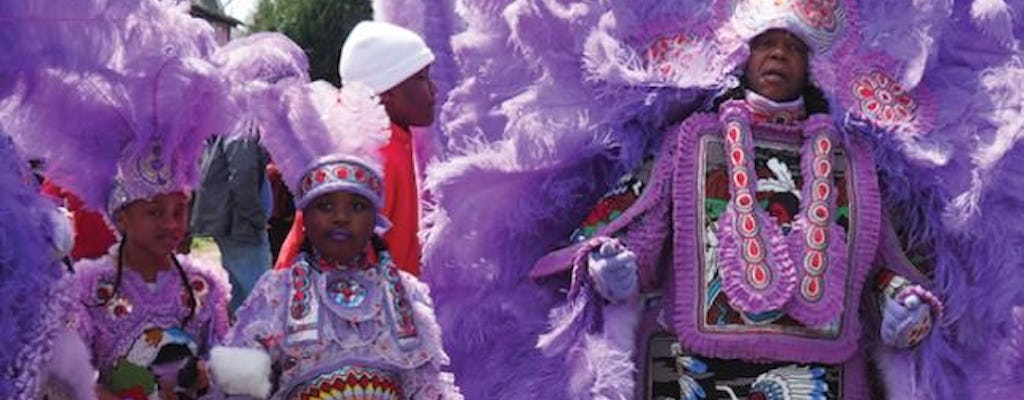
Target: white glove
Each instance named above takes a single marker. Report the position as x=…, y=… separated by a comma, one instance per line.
x=613, y=271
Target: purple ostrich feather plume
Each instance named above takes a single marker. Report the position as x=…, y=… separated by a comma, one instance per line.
x=119, y=118
x=255, y=65
x=265, y=57
x=85, y=108
x=317, y=120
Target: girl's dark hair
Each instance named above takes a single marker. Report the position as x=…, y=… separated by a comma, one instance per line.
x=306, y=246
x=192, y=304
x=378, y=244
x=814, y=98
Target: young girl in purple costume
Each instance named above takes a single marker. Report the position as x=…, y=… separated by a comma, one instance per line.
x=338, y=323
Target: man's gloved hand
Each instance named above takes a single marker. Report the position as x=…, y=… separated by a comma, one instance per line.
x=612, y=268
x=906, y=319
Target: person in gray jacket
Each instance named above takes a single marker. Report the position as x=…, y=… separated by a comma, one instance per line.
x=232, y=205
x=234, y=200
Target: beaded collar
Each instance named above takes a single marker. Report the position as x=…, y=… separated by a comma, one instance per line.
x=765, y=110
x=323, y=265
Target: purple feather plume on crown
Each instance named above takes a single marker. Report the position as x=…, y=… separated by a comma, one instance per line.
x=133, y=90
x=318, y=121
x=256, y=64
x=267, y=57
x=93, y=128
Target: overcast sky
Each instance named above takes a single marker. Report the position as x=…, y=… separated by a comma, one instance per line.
x=241, y=9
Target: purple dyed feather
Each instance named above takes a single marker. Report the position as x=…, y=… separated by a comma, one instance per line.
x=28, y=273
x=97, y=104
x=265, y=56
x=521, y=124
x=309, y=122
x=120, y=115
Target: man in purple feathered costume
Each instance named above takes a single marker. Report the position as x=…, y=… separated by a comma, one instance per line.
x=549, y=137
x=715, y=283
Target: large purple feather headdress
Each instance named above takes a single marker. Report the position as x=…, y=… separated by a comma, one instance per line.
x=124, y=115
x=873, y=69
x=326, y=140
x=138, y=133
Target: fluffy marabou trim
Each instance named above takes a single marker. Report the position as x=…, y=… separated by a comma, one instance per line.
x=491, y=339
x=27, y=277
x=426, y=321
x=241, y=371
x=71, y=365
x=1006, y=363
x=601, y=370
x=602, y=364
x=995, y=18
x=963, y=211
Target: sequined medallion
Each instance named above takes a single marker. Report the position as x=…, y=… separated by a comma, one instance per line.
x=346, y=292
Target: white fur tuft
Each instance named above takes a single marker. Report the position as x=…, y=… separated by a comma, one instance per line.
x=70, y=364
x=241, y=371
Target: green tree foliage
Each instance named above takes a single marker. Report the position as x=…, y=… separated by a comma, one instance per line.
x=318, y=26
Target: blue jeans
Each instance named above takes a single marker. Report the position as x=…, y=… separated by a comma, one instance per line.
x=245, y=263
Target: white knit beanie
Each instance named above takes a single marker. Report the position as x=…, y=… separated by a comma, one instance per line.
x=382, y=55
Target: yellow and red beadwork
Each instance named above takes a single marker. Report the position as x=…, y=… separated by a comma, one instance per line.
x=351, y=383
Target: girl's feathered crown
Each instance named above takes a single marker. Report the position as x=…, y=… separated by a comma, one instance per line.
x=125, y=117
x=325, y=140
